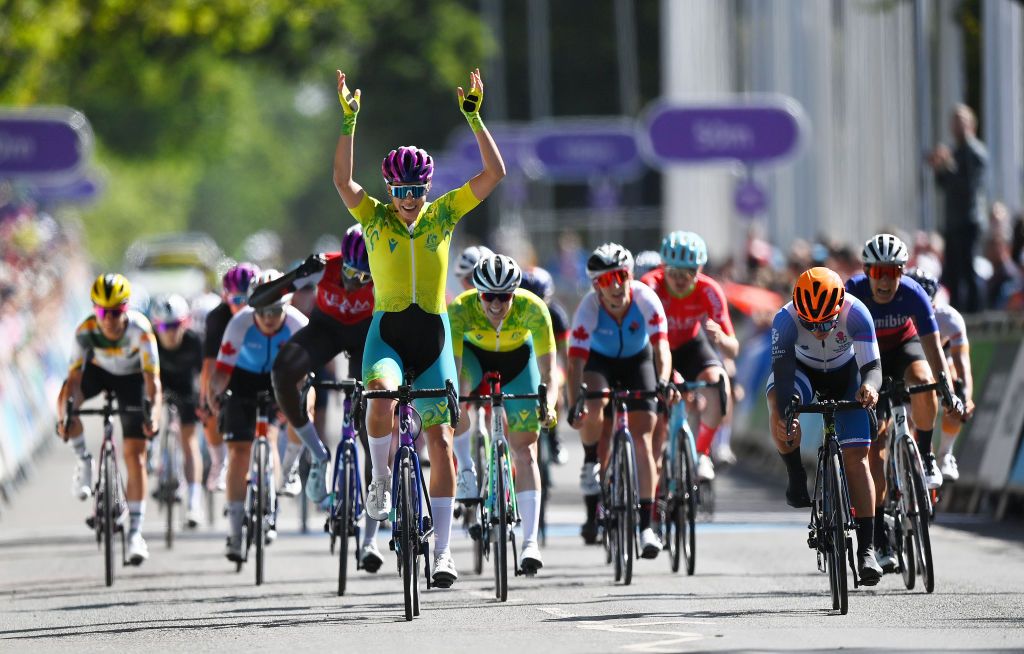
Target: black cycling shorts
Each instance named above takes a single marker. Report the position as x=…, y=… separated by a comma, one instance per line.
x=324, y=338
x=694, y=356
x=896, y=361
x=635, y=373
x=127, y=389
x=185, y=400
x=238, y=414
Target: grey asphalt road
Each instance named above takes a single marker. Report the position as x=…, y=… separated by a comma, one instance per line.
x=756, y=589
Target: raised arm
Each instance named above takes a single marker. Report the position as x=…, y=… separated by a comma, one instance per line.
x=494, y=168
x=350, y=192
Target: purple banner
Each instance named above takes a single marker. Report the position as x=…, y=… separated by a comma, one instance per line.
x=511, y=140
x=750, y=199
x=47, y=142
x=751, y=133
x=77, y=189
x=575, y=151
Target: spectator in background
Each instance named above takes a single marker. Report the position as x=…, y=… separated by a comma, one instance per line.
x=960, y=174
x=1006, y=273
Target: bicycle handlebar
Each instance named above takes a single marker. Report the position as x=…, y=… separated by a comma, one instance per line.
x=541, y=396
x=580, y=409
x=896, y=390
x=106, y=411
x=826, y=407
x=406, y=393
x=723, y=398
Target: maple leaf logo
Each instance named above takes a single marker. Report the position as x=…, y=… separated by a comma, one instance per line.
x=580, y=334
x=228, y=349
x=655, y=320
x=633, y=326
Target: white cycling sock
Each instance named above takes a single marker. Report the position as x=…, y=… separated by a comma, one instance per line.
x=380, y=455
x=724, y=436
x=311, y=438
x=136, y=513
x=441, y=508
x=218, y=454
x=194, y=495
x=236, y=514
x=291, y=455
x=529, y=503
x=370, y=527
x=463, y=451
x=78, y=444
x=947, y=443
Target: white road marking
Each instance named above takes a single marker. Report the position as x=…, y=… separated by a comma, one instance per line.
x=556, y=611
x=667, y=645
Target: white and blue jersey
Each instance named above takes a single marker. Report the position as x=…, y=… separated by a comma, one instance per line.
x=247, y=348
x=595, y=330
x=831, y=368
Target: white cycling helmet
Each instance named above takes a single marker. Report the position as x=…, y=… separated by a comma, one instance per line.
x=468, y=259
x=168, y=309
x=607, y=257
x=497, y=273
x=885, y=249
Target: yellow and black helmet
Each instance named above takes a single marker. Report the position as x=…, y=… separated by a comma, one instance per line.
x=110, y=290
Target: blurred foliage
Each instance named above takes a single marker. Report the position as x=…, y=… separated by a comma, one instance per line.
x=221, y=115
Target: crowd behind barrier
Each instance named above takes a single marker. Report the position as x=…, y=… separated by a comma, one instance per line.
x=42, y=275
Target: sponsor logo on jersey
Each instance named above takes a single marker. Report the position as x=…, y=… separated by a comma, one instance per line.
x=345, y=305
x=841, y=338
x=891, y=321
x=228, y=349
x=432, y=242
x=580, y=334
x=392, y=243
x=633, y=326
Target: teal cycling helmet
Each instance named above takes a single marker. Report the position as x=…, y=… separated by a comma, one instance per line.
x=684, y=250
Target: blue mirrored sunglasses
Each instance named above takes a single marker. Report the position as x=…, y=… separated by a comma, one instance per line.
x=820, y=327
x=417, y=191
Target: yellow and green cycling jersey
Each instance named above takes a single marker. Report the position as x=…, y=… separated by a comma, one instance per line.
x=528, y=321
x=409, y=263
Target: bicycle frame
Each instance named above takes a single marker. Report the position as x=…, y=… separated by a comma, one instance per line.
x=260, y=507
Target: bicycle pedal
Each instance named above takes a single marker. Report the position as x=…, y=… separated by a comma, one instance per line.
x=475, y=531
x=428, y=524
x=91, y=522
x=391, y=544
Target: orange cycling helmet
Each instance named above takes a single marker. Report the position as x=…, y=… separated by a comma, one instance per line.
x=818, y=295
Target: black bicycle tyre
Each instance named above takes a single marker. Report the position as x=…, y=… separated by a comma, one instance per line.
x=614, y=513
x=344, y=517
x=407, y=534
x=480, y=544
x=107, y=518
x=260, y=508
x=925, y=564
x=907, y=544
x=838, y=536
x=629, y=512
x=501, y=530
x=669, y=506
x=689, y=508
x=545, y=484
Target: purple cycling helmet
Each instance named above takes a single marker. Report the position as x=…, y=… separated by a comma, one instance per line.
x=240, y=277
x=353, y=249
x=407, y=165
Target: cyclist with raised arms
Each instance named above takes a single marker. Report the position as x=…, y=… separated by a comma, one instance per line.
x=466, y=263
x=408, y=240
x=251, y=342
x=498, y=327
x=237, y=283
x=953, y=336
x=908, y=339
x=181, y=359
x=114, y=350
x=698, y=328
x=538, y=281
x=338, y=323
x=618, y=339
x=823, y=345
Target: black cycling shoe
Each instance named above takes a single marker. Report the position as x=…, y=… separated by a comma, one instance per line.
x=798, y=497
x=590, y=533
x=867, y=568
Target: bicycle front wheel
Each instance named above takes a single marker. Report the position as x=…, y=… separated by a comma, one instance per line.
x=919, y=517
x=258, y=521
x=408, y=535
x=688, y=521
x=668, y=507
x=836, y=535
x=107, y=515
x=501, y=504
x=344, y=516
x=627, y=502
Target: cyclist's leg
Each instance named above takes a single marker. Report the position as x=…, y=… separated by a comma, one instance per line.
x=950, y=430
x=193, y=461
x=382, y=370
x=796, y=491
x=81, y=385
x=638, y=373
x=524, y=429
x=594, y=435
x=239, y=429
x=472, y=373
x=128, y=389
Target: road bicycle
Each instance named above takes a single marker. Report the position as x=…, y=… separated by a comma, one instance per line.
x=499, y=511
x=347, y=507
x=410, y=528
x=619, y=507
x=679, y=491
x=907, y=500
x=110, y=508
x=832, y=519
x=169, y=466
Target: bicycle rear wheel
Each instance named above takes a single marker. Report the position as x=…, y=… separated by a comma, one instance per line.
x=501, y=503
x=408, y=536
x=107, y=516
x=259, y=523
x=836, y=535
x=688, y=477
x=919, y=517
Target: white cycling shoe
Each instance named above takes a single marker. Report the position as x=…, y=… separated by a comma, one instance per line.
x=81, y=481
x=217, y=478
x=932, y=476
x=444, y=570
x=949, y=469
x=370, y=558
x=378, y=497
x=466, y=488
x=530, y=560
x=705, y=468
x=650, y=544
x=194, y=517
x=292, y=486
x=138, y=551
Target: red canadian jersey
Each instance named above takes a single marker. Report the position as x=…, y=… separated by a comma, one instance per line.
x=332, y=298
x=687, y=314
